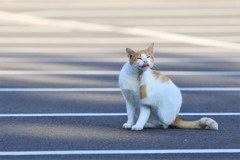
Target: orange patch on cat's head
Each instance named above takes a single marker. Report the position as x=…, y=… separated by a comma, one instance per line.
x=148, y=53
x=133, y=55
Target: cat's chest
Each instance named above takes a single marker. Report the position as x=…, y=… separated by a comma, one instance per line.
x=147, y=79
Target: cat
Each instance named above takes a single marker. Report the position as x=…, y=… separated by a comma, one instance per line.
x=152, y=99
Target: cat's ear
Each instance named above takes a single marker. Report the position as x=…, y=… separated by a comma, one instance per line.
x=130, y=52
x=150, y=47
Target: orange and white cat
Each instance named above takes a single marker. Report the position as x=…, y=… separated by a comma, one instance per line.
x=152, y=99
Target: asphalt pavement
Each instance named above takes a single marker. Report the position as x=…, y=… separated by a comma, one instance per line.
x=59, y=66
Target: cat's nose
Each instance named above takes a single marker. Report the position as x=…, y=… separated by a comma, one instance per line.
x=145, y=63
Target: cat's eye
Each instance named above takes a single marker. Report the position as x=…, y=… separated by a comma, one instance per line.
x=148, y=56
x=139, y=58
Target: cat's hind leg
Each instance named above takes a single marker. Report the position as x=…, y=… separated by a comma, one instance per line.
x=155, y=125
x=153, y=121
x=167, y=113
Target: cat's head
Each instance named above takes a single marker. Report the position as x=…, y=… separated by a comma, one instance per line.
x=141, y=60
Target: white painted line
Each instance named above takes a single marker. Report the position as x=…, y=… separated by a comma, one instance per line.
x=27, y=29
x=106, y=114
x=185, y=73
x=150, y=13
x=59, y=72
x=107, y=89
x=57, y=50
x=174, y=21
x=119, y=152
x=122, y=60
x=30, y=5
x=59, y=90
x=64, y=115
x=211, y=114
x=206, y=73
x=196, y=29
x=74, y=40
x=78, y=25
x=210, y=89
x=83, y=41
x=190, y=51
x=225, y=38
x=186, y=29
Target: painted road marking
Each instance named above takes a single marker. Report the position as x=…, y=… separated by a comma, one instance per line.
x=117, y=152
x=84, y=40
x=151, y=13
x=122, y=60
x=107, y=114
x=170, y=28
x=78, y=40
x=28, y=5
x=204, y=51
x=190, y=73
x=204, y=89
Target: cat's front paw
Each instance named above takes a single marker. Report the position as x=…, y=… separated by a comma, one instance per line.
x=127, y=125
x=137, y=128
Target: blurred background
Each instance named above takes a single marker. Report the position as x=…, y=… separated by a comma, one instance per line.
x=82, y=36
x=95, y=28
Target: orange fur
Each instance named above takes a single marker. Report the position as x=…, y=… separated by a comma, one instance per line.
x=148, y=53
x=165, y=79
x=136, y=55
x=156, y=73
x=186, y=124
x=143, y=91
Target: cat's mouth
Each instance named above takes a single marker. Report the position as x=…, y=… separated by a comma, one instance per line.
x=145, y=65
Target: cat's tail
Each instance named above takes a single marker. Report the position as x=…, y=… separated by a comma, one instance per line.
x=203, y=123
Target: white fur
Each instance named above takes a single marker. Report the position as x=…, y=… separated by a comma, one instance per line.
x=164, y=97
x=129, y=84
x=163, y=101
